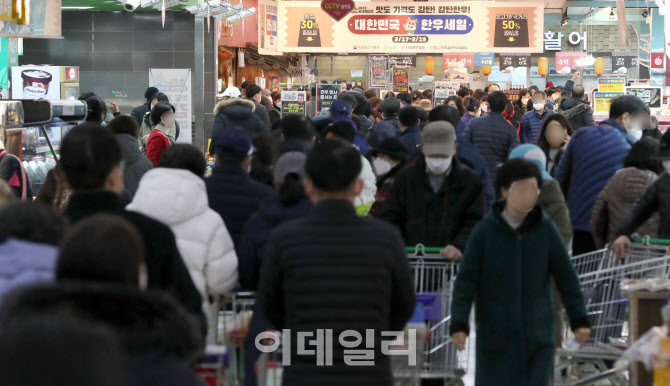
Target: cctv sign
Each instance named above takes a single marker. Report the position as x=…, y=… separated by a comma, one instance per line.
x=337, y=9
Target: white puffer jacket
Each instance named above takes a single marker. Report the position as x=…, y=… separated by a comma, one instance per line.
x=178, y=198
x=367, y=196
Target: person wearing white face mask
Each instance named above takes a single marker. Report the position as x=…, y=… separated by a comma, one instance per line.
x=437, y=201
x=505, y=271
x=521, y=104
x=656, y=199
x=392, y=155
x=164, y=116
x=532, y=121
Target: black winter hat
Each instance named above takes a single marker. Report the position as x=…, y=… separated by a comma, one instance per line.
x=150, y=92
x=392, y=147
x=664, y=149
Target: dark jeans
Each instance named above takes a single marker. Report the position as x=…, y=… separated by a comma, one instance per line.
x=582, y=243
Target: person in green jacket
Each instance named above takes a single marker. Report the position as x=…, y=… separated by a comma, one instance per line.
x=148, y=125
x=510, y=257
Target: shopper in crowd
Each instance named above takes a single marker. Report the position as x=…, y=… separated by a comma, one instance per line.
x=91, y=161
x=244, y=86
x=416, y=97
x=532, y=121
x=297, y=134
x=263, y=159
x=202, y=238
x=466, y=152
x=140, y=111
x=275, y=111
x=391, y=156
x=493, y=87
x=29, y=239
x=101, y=276
x=549, y=97
x=148, y=124
x=253, y=93
x=390, y=109
x=554, y=138
x=389, y=94
x=493, y=136
x=135, y=164
x=232, y=193
x=627, y=186
x=96, y=110
x=341, y=111
x=589, y=161
x=14, y=174
x=472, y=107
x=437, y=201
x=380, y=131
x=362, y=110
x=521, y=104
x=55, y=192
x=478, y=93
x=463, y=93
x=653, y=130
x=426, y=105
x=344, y=131
x=365, y=251
x=370, y=93
x=533, y=89
x=292, y=203
x=266, y=101
x=456, y=102
x=235, y=112
x=405, y=98
x=94, y=354
x=6, y=194
x=515, y=331
x=164, y=116
x=577, y=110
x=630, y=116
x=375, y=103
x=410, y=131
x=653, y=201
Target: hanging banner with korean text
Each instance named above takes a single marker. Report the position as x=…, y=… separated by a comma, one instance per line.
x=624, y=60
x=566, y=61
x=484, y=59
x=406, y=26
x=467, y=59
x=267, y=30
x=401, y=79
x=409, y=60
x=176, y=84
x=326, y=95
x=377, y=72
x=514, y=61
x=293, y=102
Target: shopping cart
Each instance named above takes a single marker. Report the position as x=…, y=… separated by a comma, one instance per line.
x=434, y=282
x=601, y=274
x=234, y=314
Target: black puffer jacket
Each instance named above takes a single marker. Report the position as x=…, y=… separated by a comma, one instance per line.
x=236, y=112
x=336, y=270
x=161, y=340
x=577, y=111
x=494, y=137
x=435, y=220
x=656, y=199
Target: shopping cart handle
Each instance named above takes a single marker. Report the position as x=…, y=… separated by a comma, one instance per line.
x=650, y=241
x=420, y=249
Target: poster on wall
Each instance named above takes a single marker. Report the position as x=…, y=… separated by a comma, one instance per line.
x=377, y=72
x=441, y=94
x=44, y=21
x=603, y=100
x=176, y=84
x=326, y=94
x=406, y=26
x=651, y=96
x=293, y=102
x=267, y=31
x=274, y=83
x=401, y=79
x=36, y=82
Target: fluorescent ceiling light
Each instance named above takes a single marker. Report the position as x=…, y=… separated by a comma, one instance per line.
x=78, y=8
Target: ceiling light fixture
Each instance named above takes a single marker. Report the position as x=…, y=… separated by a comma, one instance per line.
x=612, y=14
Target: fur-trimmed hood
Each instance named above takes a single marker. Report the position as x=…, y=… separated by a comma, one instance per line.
x=148, y=322
x=234, y=102
x=574, y=111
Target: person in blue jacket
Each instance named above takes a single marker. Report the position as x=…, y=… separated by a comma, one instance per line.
x=532, y=121
x=410, y=131
x=291, y=203
x=592, y=157
x=466, y=152
x=630, y=116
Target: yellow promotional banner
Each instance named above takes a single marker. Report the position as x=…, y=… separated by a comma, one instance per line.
x=611, y=84
x=603, y=100
x=510, y=27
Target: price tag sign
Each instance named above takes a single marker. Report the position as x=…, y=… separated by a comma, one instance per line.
x=401, y=79
x=310, y=35
x=611, y=84
x=511, y=30
x=293, y=102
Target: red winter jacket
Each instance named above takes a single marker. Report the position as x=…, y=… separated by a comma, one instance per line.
x=156, y=143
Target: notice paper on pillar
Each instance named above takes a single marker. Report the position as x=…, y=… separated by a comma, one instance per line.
x=603, y=100
x=176, y=84
x=377, y=72
x=293, y=102
x=401, y=79
x=428, y=27
x=267, y=31
x=326, y=95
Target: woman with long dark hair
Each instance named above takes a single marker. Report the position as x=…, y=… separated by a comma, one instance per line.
x=554, y=138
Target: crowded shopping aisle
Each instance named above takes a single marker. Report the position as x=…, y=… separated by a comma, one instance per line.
x=265, y=193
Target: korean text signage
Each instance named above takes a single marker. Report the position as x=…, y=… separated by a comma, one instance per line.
x=293, y=102
x=267, y=31
x=401, y=79
x=603, y=100
x=651, y=96
x=554, y=40
x=514, y=61
x=377, y=72
x=624, y=60
x=405, y=26
x=327, y=93
x=611, y=84
x=337, y=9
x=441, y=94
x=176, y=84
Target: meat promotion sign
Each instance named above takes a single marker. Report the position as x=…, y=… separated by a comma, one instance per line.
x=374, y=27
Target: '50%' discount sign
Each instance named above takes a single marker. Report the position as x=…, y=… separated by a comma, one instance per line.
x=337, y=9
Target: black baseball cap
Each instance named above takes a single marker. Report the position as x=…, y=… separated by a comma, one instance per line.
x=392, y=147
